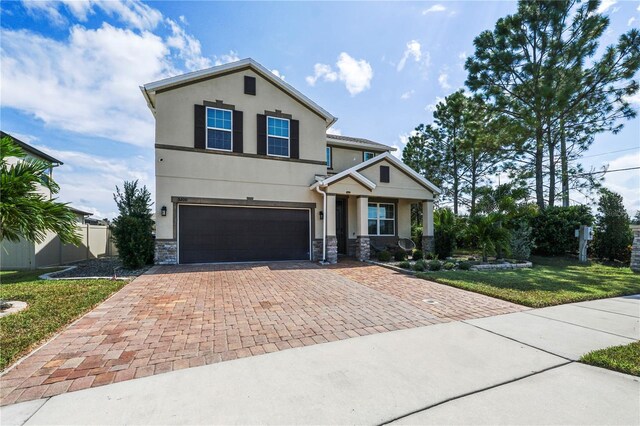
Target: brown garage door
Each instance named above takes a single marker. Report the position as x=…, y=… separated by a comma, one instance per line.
x=239, y=234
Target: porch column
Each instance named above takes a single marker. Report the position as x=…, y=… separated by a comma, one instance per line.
x=332, y=241
x=362, y=229
x=428, y=245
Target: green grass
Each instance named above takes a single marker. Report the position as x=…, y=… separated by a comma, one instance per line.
x=51, y=306
x=624, y=358
x=552, y=281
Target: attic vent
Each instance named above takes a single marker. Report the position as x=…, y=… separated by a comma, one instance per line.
x=249, y=85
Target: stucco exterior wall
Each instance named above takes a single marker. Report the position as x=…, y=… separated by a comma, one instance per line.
x=400, y=185
x=174, y=112
x=344, y=158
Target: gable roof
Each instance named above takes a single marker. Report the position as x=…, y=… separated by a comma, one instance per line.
x=31, y=150
x=149, y=90
x=340, y=140
x=353, y=172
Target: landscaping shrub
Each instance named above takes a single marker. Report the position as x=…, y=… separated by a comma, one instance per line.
x=133, y=228
x=429, y=256
x=464, y=266
x=416, y=235
x=405, y=265
x=448, y=266
x=521, y=240
x=435, y=265
x=384, y=256
x=417, y=255
x=445, y=232
x=420, y=266
x=399, y=255
x=612, y=235
x=554, y=227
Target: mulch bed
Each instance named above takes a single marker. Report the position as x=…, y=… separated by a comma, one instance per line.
x=103, y=267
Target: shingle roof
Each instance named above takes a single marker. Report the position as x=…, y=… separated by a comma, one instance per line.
x=365, y=143
x=31, y=150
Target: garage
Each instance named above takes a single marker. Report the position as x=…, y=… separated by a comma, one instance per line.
x=242, y=234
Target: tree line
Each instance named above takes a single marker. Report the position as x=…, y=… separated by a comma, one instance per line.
x=540, y=87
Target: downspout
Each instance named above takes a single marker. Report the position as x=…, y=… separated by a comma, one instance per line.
x=324, y=222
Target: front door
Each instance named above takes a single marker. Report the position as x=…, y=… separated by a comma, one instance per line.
x=341, y=225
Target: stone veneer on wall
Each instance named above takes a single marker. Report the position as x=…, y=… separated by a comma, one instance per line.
x=363, y=248
x=635, y=252
x=428, y=244
x=332, y=249
x=317, y=250
x=166, y=252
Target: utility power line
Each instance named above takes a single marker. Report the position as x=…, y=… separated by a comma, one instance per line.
x=604, y=172
x=607, y=153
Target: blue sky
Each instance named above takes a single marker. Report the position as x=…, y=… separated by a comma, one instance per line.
x=71, y=71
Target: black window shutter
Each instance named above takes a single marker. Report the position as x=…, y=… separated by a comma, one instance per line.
x=384, y=174
x=249, y=85
x=237, y=131
x=262, y=134
x=294, y=150
x=199, y=126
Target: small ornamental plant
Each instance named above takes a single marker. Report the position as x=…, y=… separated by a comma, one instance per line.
x=420, y=266
x=417, y=255
x=384, y=256
x=435, y=265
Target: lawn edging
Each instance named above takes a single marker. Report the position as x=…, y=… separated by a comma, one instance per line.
x=622, y=358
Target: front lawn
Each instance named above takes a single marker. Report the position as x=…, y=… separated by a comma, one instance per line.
x=624, y=358
x=551, y=281
x=51, y=306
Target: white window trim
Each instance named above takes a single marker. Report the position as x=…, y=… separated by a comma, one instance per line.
x=279, y=137
x=330, y=161
x=364, y=155
x=206, y=117
x=377, y=219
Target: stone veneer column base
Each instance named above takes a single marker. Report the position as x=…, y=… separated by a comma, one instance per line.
x=363, y=248
x=428, y=244
x=332, y=249
x=635, y=252
x=166, y=252
x=317, y=250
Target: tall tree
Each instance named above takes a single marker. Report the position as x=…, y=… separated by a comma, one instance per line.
x=537, y=66
x=613, y=236
x=24, y=211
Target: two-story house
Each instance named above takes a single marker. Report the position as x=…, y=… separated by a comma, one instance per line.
x=245, y=171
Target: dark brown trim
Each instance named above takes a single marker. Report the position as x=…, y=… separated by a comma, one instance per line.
x=250, y=85
x=361, y=150
x=244, y=154
x=236, y=202
x=248, y=67
x=218, y=104
x=278, y=114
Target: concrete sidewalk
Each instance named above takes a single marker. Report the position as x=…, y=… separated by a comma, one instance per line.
x=515, y=368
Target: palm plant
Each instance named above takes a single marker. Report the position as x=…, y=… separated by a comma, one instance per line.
x=446, y=229
x=24, y=212
x=489, y=233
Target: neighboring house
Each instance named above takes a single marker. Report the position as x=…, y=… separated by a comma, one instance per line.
x=245, y=171
x=51, y=252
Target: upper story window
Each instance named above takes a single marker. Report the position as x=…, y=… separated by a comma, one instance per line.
x=381, y=219
x=368, y=155
x=329, y=165
x=277, y=137
x=219, y=129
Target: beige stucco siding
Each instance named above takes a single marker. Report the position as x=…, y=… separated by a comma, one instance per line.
x=194, y=174
x=344, y=158
x=175, y=123
x=400, y=185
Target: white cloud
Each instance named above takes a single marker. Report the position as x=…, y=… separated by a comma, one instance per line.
x=232, y=56
x=625, y=183
x=412, y=50
x=407, y=95
x=634, y=99
x=434, y=9
x=402, y=141
x=355, y=74
x=334, y=131
x=631, y=21
x=277, y=74
x=132, y=13
x=87, y=83
x=605, y=5
x=321, y=72
x=187, y=47
x=443, y=80
x=432, y=107
x=88, y=181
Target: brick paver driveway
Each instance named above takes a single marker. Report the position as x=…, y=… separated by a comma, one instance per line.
x=184, y=316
